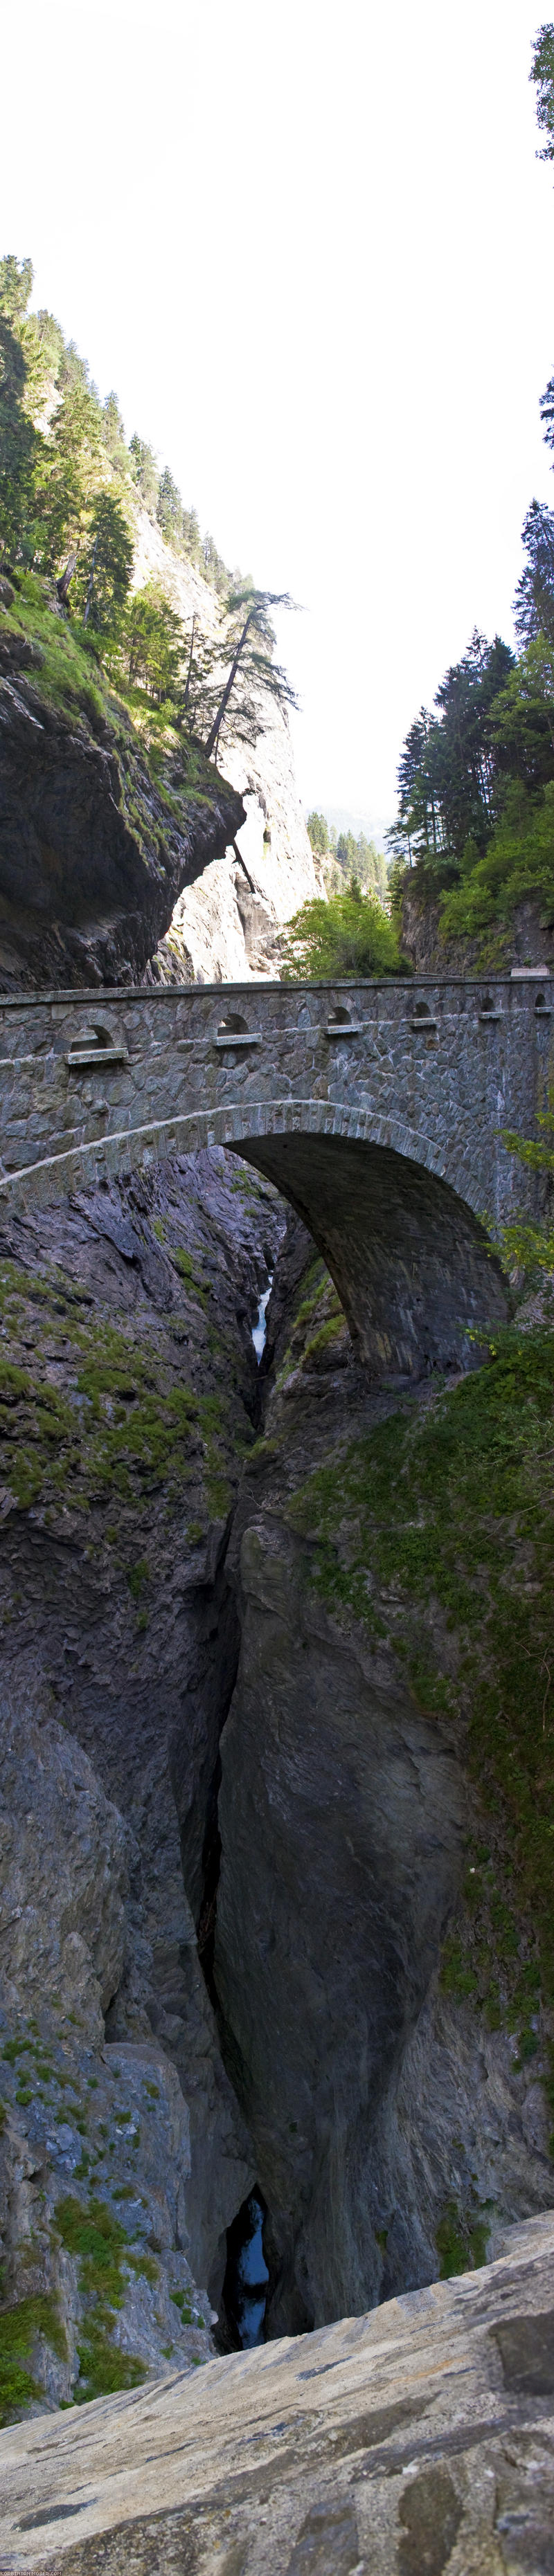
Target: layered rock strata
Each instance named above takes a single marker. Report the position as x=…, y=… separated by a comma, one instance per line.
x=128, y=1392
x=389, y=2116
x=401, y=2444
x=97, y=839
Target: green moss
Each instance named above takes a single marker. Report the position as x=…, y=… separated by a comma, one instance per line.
x=461, y=2240
x=451, y=1508
x=98, y=2242
x=125, y=1423
x=70, y=677
x=137, y=1577
x=182, y=2301
x=329, y=1332
x=20, y=2328
x=183, y=1262
x=103, y=2368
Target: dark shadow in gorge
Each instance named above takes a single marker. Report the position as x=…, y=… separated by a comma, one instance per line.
x=411, y=1263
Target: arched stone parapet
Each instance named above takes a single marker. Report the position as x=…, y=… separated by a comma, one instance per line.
x=410, y=1262
x=379, y=1109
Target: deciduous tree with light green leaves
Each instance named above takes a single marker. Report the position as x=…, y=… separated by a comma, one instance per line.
x=347, y=938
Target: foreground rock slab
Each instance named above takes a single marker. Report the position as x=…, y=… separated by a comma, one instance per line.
x=417, y=2439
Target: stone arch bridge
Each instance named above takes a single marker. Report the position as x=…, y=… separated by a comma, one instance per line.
x=377, y=1108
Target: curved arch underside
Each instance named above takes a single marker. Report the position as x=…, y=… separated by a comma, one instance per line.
x=409, y=1259
x=408, y=1255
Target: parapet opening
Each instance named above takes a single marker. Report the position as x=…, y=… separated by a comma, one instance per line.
x=94, y=1036
x=342, y=1018
x=423, y=1019
x=245, y=2286
x=232, y=1026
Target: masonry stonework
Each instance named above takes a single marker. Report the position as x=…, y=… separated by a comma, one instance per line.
x=377, y=1108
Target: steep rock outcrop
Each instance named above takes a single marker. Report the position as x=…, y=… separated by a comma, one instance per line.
x=94, y=2141
x=401, y=2444
x=528, y=940
x=128, y=1391
x=96, y=839
x=392, y=2118
x=228, y=928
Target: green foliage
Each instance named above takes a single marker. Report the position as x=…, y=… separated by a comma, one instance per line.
x=73, y=463
x=318, y=833
x=127, y=1425
x=241, y=676
x=358, y=863
x=534, y=599
x=16, y=279
x=542, y=73
x=98, y=2242
x=113, y=434
x=348, y=937
x=461, y=2239
x=477, y=808
x=453, y=1506
x=476, y=777
x=523, y=1245
x=105, y=566
x=519, y=861
x=20, y=2328
x=137, y=1577
x=60, y=513
x=446, y=768
x=21, y=444
x=49, y=486
x=144, y=471
x=152, y=644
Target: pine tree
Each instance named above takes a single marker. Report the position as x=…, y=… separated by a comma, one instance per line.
x=105, y=566
x=542, y=72
x=534, y=599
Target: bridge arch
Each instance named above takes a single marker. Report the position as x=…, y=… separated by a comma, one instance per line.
x=394, y=1212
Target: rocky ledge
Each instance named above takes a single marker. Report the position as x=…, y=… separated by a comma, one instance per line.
x=400, y=2444
x=101, y=826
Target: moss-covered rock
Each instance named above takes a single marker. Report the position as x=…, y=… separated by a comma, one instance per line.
x=106, y=813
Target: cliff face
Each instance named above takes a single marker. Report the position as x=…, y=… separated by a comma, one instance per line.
x=228, y=927
x=128, y=1394
x=97, y=839
x=408, y=2443
x=396, y=2109
x=527, y=941
x=367, y=2049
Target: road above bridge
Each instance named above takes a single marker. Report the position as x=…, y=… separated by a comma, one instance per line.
x=377, y=1108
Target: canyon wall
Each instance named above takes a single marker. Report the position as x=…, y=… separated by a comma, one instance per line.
x=393, y=2109
x=228, y=928
x=128, y=1393
x=98, y=835
x=243, y=1819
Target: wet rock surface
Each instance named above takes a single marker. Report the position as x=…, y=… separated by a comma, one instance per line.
x=377, y=2104
x=129, y=1389
x=239, y=1969
x=401, y=2444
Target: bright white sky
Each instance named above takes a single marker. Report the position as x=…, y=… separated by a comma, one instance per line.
x=311, y=248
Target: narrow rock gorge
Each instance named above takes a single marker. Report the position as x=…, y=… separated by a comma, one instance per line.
x=365, y=1936
x=263, y=1926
